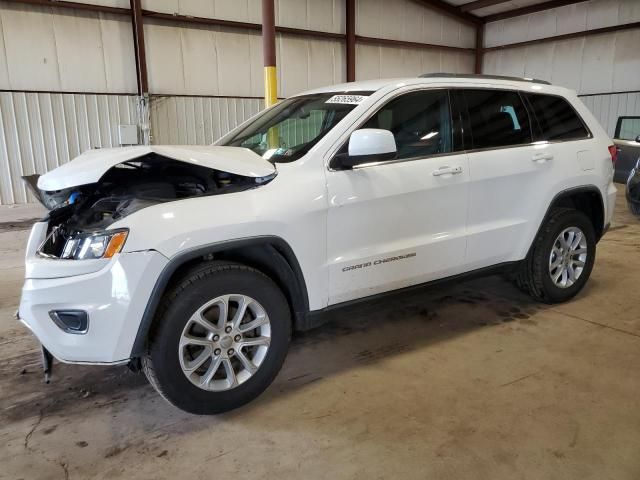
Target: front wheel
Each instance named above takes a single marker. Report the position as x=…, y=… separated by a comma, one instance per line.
x=561, y=258
x=219, y=340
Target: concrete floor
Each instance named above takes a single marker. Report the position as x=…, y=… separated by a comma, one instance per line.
x=469, y=381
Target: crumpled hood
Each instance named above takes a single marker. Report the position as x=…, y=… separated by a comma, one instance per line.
x=92, y=164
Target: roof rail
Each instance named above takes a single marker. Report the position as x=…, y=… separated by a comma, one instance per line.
x=487, y=77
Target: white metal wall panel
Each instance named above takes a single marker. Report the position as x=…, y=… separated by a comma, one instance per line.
x=386, y=62
x=4, y=66
x=108, y=3
x=626, y=61
x=607, y=108
x=224, y=61
x=203, y=61
x=40, y=131
x=505, y=6
x=47, y=49
x=306, y=63
x=236, y=10
x=594, y=64
x=197, y=120
x=410, y=21
x=562, y=20
x=322, y=15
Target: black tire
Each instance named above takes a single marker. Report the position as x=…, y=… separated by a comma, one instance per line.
x=161, y=364
x=634, y=208
x=533, y=275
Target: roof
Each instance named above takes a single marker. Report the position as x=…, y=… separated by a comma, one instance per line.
x=440, y=78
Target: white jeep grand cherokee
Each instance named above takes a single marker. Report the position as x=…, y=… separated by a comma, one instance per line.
x=196, y=263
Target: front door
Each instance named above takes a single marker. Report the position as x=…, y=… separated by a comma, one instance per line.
x=402, y=222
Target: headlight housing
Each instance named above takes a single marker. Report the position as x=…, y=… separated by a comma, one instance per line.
x=87, y=246
x=94, y=245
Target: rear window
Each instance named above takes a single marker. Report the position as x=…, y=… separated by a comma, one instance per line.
x=555, y=118
x=498, y=118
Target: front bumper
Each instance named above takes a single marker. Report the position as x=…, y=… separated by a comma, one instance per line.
x=114, y=298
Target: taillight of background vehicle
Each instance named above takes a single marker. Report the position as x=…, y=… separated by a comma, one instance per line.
x=613, y=151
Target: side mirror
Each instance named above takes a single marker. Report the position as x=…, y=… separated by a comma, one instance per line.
x=369, y=145
x=638, y=139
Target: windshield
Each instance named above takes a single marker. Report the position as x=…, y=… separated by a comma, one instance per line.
x=287, y=131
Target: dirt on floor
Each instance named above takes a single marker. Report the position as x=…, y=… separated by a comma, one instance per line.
x=472, y=380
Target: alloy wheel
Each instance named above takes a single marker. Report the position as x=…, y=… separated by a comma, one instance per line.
x=568, y=257
x=224, y=342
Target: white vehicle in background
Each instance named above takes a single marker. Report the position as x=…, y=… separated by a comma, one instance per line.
x=197, y=263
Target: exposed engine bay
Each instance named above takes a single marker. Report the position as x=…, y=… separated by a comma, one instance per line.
x=127, y=188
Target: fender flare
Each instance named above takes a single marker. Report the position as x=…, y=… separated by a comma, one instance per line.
x=567, y=193
x=278, y=246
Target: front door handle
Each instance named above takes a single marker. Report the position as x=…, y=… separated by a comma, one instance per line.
x=446, y=170
x=542, y=157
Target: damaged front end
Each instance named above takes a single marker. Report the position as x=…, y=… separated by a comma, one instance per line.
x=80, y=215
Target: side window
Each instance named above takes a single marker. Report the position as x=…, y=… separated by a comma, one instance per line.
x=628, y=128
x=498, y=118
x=420, y=122
x=556, y=119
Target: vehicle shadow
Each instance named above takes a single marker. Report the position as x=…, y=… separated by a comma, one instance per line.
x=354, y=336
x=365, y=334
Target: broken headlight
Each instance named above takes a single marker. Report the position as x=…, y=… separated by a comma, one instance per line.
x=85, y=246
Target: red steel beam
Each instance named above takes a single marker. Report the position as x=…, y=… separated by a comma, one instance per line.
x=539, y=7
x=479, y=48
x=138, y=43
x=405, y=44
x=239, y=25
x=351, y=39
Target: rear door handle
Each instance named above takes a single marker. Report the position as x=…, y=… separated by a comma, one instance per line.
x=542, y=157
x=446, y=170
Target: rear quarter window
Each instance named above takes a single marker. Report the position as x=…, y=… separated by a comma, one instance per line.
x=555, y=119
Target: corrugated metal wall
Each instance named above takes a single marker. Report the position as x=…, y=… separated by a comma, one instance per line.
x=203, y=80
x=607, y=108
x=592, y=64
x=44, y=48
x=40, y=131
x=410, y=21
x=197, y=120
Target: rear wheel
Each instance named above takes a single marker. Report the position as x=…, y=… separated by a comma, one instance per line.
x=561, y=258
x=220, y=338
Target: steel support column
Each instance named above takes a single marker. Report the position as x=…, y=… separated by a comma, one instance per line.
x=350, y=30
x=269, y=53
x=479, y=48
x=138, y=42
x=141, y=72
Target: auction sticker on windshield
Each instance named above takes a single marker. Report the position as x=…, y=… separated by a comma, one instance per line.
x=348, y=99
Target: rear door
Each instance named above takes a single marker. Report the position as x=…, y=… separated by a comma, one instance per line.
x=507, y=175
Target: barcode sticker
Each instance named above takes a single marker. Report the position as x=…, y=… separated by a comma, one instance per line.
x=347, y=99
